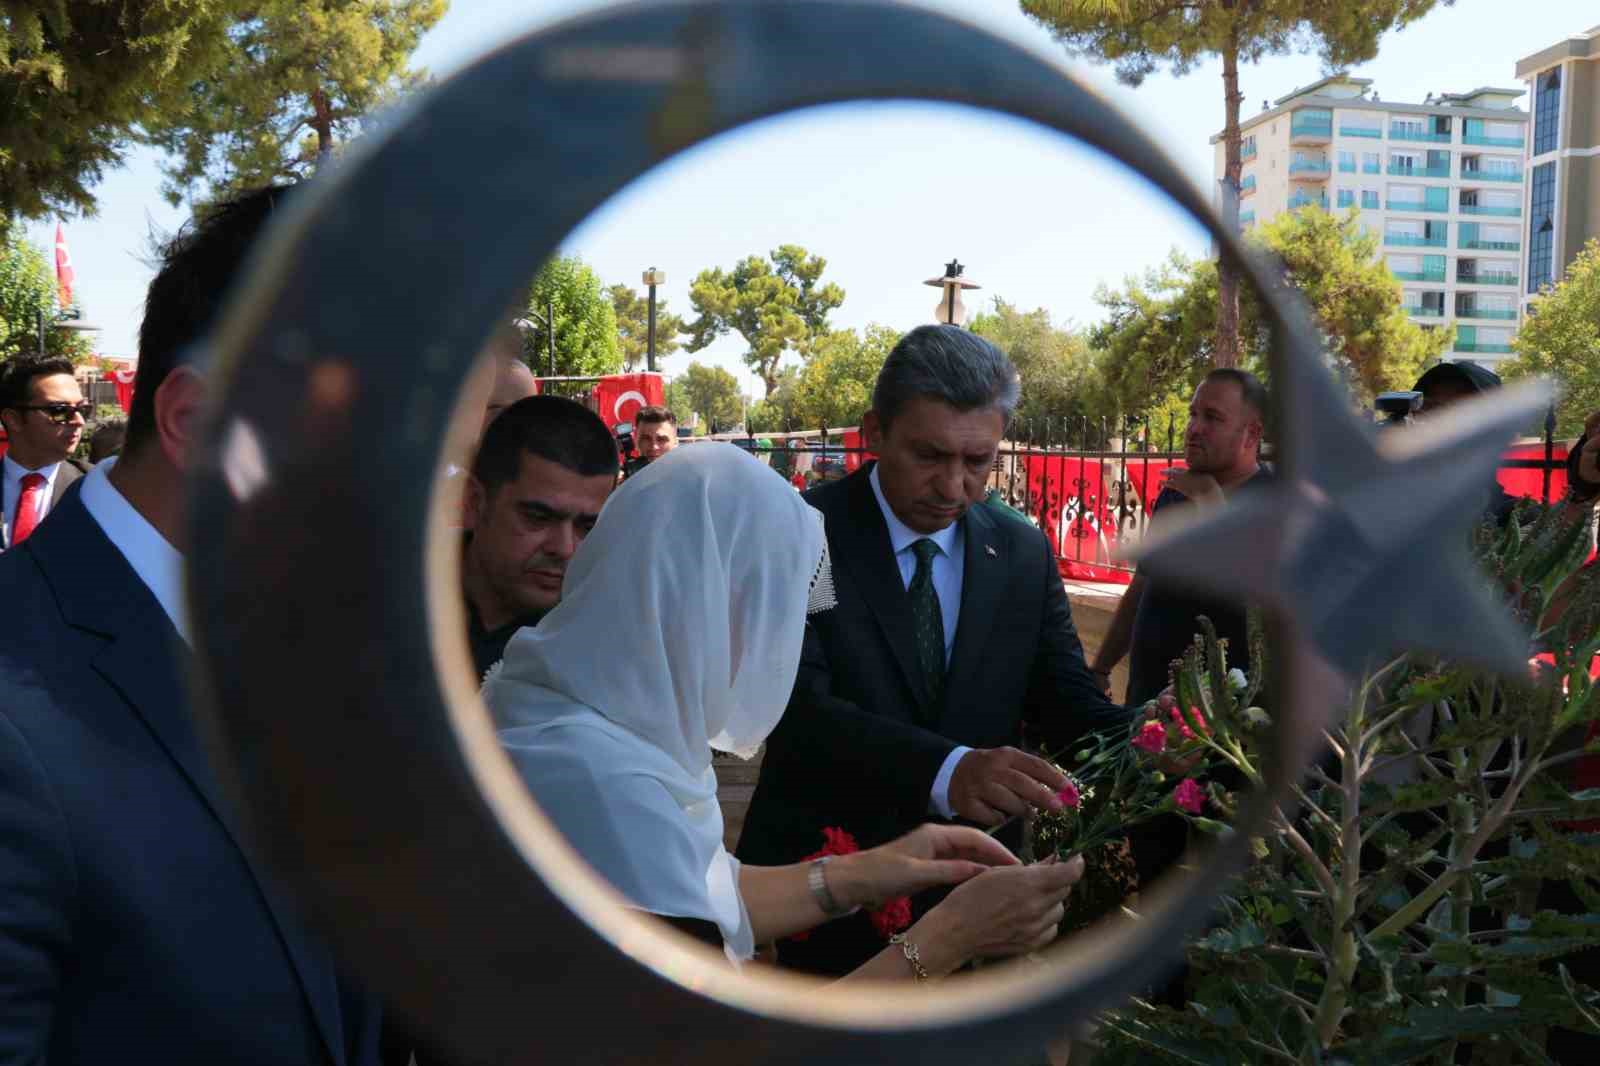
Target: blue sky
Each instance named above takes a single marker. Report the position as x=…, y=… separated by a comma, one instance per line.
x=888, y=192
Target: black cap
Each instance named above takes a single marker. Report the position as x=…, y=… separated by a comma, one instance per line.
x=1470, y=374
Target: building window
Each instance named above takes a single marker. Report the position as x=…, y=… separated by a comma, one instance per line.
x=1541, y=226
x=1546, y=111
x=1369, y=199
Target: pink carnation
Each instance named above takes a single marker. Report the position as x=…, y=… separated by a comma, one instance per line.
x=1151, y=738
x=1069, y=795
x=1189, y=796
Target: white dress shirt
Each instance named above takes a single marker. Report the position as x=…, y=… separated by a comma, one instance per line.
x=158, y=564
x=949, y=567
x=14, y=473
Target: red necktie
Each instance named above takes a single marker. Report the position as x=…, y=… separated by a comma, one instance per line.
x=27, y=507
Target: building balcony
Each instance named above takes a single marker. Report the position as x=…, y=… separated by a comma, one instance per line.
x=1418, y=205
x=1492, y=246
x=1419, y=275
x=1247, y=188
x=1487, y=277
x=1474, y=346
x=1299, y=200
x=1490, y=209
x=1376, y=133
x=1400, y=133
x=1247, y=152
x=1402, y=171
x=1372, y=168
x=1418, y=311
x=1246, y=217
x=1486, y=312
x=1490, y=175
x=1412, y=240
x=1310, y=130
x=1493, y=142
x=1309, y=169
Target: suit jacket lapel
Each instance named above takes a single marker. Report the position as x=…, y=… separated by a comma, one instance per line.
x=66, y=474
x=870, y=560
x=98, y=591
x=982, y=585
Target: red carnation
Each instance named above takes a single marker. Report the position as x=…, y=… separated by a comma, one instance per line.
x=892, y=917
x=1069, y=796
x=1151, y=738
x=835, y=841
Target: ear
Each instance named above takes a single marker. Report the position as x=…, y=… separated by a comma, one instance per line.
x=474, y=504
x=8, y=419
x=872, y=429
x=179, y=400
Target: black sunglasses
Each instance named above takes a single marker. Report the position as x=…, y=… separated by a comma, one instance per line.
x=60, y=413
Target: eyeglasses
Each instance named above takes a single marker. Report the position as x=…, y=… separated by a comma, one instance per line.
x=60, y=413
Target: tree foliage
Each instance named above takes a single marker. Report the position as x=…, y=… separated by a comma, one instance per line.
x=1060, y=386
x=1334, y=263
x=1140, y=36
x=779, y=411
x=633, y=326
x=1561, y=338
x=834, y=386
x=585, y=323
x=1158, y=338
x=28, y=286
x=713, y=394
x=271, y=98
x=77, y=80
x=778, y=304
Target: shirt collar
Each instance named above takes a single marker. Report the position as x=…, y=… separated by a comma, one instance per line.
x=158, y=564
x=15, y=472
x=902, y=536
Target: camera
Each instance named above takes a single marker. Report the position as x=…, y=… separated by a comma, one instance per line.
x=1396, y=408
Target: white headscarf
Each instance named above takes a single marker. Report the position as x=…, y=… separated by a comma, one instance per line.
x=678, y=631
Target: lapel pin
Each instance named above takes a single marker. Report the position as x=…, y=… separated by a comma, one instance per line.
x=988, y=549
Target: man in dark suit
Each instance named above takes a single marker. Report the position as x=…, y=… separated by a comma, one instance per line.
x=952, y=632
x=42, y=410
x=134, y=924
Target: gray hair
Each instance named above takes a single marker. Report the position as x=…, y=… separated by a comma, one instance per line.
x=948, y=364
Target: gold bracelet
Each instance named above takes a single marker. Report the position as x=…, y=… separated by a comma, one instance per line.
x=909, y=950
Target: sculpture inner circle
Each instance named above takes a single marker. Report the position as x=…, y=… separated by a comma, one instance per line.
x=369, y=775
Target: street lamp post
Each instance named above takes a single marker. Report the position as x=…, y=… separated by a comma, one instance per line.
x=69, y=318
x=951, y=310
x=652, y=278
x=534, y=319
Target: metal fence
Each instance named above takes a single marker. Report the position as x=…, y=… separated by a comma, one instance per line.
x=1089, y=485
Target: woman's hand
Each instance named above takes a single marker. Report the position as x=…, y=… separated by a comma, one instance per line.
x=1004, y=911
x=927, y=857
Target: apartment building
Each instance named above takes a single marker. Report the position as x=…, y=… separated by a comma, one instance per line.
x=1440, y=183
x=1562, y=210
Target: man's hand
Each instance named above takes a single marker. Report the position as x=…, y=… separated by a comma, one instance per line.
x=1103, y=679
x=991, y=784
x=1200, y=488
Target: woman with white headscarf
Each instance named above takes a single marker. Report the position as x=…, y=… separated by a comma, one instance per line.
x=669, y=645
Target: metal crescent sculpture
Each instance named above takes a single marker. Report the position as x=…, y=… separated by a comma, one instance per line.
x=332, y=672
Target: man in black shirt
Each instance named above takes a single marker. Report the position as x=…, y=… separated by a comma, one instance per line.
x=542, y=473
x=1156, y=620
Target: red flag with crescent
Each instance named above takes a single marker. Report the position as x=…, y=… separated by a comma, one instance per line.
x=619, y=397
x=64, y=272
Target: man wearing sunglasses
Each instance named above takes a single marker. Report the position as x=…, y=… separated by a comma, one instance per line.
x=43, y=411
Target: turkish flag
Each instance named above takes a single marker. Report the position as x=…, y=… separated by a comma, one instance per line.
x=64, y=272
x=618, y=397
x=124, y=382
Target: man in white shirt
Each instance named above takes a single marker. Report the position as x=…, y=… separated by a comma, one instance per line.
x=134, y=923
x=43, y=411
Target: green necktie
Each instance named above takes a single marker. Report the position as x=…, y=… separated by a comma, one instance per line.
x=927, y=622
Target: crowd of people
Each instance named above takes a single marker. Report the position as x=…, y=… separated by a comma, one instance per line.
x=894, y=641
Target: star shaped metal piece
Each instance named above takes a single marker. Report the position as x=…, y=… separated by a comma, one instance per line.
x=1365, y=545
